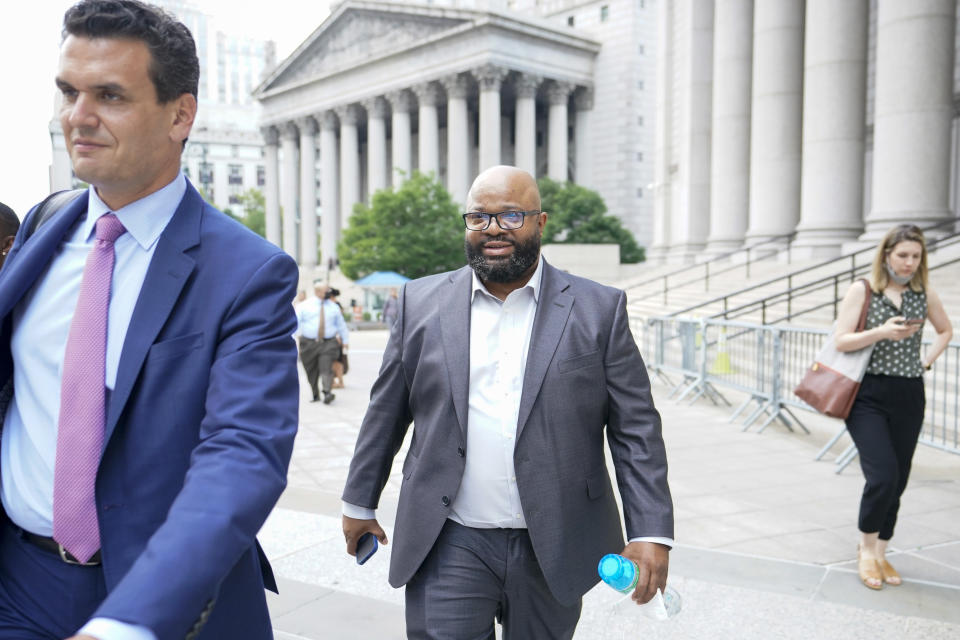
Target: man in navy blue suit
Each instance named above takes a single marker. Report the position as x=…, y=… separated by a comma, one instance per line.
x=195, y=387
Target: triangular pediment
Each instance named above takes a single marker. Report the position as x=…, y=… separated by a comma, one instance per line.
x=355, y=35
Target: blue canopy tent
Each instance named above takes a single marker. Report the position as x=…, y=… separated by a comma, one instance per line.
x=376, y=288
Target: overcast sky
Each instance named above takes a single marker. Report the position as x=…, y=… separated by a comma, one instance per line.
x=29, y=45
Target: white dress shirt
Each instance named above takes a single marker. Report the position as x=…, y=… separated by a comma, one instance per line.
x=41, y=322
x=500, y=334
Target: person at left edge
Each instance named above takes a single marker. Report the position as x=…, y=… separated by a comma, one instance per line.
x=9, y=224
x=200, y=405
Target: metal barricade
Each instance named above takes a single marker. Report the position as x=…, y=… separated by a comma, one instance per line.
x=766, y=362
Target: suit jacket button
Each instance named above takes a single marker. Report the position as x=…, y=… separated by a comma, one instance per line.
x=445, y=500
x=461, y=452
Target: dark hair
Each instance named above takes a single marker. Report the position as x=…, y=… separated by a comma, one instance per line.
x=174, y=68
x=9, y=222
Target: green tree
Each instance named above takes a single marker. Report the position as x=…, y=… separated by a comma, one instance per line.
x=414, y=230
x=579, y=215
x=254, y=207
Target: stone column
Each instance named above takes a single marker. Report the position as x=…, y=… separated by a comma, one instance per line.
x=376, y=144
x=663, y=203
x=288, y=187
x=583, y=137
x=557, y=157
x=489, y=77
x=691, y=219
x=308, y=192
x=428, y=96
x=834, y=98
x=912, y=114
x=272, y=183
x=329, y=188
x=458, y=161
x=526, y=124
x=349, y=161
x=775, y=118
x=730, y=149
x=400, y=103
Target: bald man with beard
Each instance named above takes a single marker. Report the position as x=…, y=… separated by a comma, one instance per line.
x=512, y=373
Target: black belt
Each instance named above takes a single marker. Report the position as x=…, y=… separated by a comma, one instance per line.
x=51, y=545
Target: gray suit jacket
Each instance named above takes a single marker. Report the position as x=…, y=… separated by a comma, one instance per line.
x=583, y=373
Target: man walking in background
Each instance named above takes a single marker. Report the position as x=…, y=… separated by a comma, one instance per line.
x=148, y=382
x=511, y=371
x=323, y=332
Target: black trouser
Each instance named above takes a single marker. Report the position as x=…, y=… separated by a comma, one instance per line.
x=885, y=423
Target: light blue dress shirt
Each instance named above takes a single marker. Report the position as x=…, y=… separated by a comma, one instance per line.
x=308, y=320
x=41, y=323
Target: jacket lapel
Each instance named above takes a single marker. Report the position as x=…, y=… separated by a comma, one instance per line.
x=454, y=316
x=168, y=272
x=553, y=309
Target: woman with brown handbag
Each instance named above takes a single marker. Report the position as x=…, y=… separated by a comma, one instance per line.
x=887, y=415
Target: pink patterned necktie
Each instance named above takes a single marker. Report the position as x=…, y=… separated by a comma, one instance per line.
x=83, y=401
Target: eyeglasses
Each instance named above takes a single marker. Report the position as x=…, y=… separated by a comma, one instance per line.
x=507, y=220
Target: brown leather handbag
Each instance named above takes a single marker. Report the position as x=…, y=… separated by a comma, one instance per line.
x=831, y=383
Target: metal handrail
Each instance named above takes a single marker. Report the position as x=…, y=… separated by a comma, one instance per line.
x=949, y=239
x=810, y=287
x=706, y=266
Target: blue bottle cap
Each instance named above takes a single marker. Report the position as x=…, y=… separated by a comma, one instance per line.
x=618, y=572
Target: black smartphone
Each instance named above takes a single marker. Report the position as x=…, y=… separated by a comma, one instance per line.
x=914, y=320
x=366, y=547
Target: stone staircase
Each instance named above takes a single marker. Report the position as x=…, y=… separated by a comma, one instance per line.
x=648, y=296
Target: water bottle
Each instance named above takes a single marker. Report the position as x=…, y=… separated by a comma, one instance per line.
x=622, y=574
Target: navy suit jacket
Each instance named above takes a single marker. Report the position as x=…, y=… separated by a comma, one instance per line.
x=200, y=424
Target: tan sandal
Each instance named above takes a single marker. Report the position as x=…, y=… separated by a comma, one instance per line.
x=890, y=575
x=869, y=570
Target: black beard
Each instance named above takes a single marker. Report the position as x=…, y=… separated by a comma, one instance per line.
x=502, y=270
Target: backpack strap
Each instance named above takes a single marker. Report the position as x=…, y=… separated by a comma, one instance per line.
x=50, y=205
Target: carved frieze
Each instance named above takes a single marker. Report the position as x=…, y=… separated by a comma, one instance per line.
x=360, y=35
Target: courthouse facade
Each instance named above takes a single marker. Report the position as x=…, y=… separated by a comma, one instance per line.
x=820, y=123
x=381, y=89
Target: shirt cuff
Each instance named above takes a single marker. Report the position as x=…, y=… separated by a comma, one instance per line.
x=110, y=629
x=358, y=513
x=664, y=541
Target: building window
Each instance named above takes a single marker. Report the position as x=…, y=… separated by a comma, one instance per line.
x=639, y=156
x=640, y=121
x=236, y=174
x=570, y=21
x=640, y=84
x=261, y=176
x=640, y=192
x=604, y=12
x=206, y=176
x=640, y=49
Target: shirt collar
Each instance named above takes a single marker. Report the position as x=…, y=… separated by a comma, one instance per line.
x=144, y=219
x=533, y=284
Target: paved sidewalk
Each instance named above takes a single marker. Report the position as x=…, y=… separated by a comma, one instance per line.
x=766, y=536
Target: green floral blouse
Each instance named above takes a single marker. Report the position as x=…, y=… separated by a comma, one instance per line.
x=897, y=357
